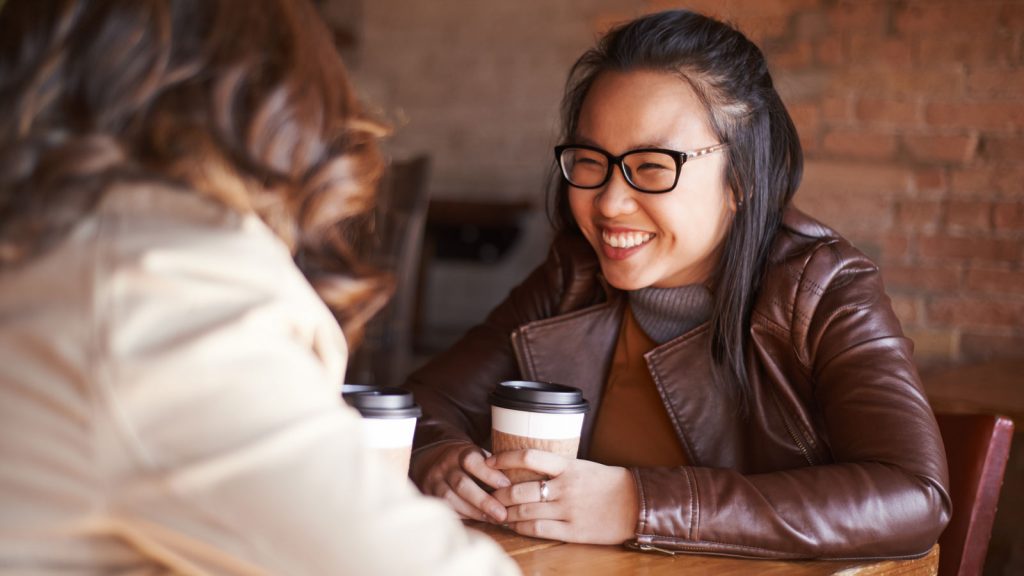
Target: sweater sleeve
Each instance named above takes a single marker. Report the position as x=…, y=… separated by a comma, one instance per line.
x=228, y=449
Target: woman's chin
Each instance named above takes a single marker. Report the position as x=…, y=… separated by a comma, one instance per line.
x=626, y=282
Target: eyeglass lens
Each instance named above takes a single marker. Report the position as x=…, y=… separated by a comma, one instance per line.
x=647, y=171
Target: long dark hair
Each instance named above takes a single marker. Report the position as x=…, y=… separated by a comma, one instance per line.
x=243, y=101
x=764, y=161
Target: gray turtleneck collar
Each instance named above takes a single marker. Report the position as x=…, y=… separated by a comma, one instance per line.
x=664, y=313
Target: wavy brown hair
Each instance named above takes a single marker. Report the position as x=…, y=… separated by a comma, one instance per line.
x=243, y=101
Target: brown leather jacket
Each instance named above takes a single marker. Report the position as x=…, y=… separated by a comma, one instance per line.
x=840, y=456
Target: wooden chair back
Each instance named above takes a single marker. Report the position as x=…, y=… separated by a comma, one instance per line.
x=385, y=354
x=977, y=448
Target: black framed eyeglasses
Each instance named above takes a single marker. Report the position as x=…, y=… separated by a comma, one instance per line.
x=648, y=170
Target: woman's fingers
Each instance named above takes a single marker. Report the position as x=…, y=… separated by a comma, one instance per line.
x=535, y=511
x=444, y=490
x=567, y=510
x=464, y=509
x=550, y=529
x=527, y=492
x=539, y=461
x=451, y=474
x=467, y=490
x=472, y=461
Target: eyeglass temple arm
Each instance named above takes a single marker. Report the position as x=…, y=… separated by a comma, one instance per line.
x=693, y=154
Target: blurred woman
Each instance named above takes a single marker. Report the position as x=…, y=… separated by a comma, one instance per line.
x=169, y=378
x=751, y=390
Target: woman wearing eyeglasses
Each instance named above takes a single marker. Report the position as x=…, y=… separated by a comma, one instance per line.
x=751, y=390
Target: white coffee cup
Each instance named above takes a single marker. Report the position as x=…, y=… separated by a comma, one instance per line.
x=539, y=415
x=388, y=423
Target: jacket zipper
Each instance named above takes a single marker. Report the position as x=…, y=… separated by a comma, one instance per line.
x=640, y=546
x=796, y=438
x=689, y=549
x=649, y=548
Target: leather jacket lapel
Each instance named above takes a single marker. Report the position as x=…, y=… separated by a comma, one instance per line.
x=576, y=349
x=703, y=413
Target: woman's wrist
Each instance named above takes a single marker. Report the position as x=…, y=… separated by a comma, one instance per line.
x=632, y=507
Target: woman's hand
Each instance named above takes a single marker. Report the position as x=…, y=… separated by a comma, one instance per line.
x=584, y=501
x=452, y=472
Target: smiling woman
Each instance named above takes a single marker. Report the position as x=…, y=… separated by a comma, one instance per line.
x=752, y=392
x=654, y=238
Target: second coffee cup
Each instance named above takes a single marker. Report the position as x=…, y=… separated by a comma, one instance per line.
x=540, y=415
x=389, y=421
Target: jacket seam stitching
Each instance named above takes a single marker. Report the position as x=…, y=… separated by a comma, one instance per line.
x=691, y=484
x=806, y=285
x=643, y=500
x=846, y=275
x=683, y=437
x=767, y=322
x=523, y=349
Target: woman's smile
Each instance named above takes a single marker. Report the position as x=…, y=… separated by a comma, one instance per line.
x=621, y=243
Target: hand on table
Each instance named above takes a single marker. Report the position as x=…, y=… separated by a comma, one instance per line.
x=585, y=501
x=452, y=473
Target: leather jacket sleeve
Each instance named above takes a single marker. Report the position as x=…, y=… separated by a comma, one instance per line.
x=876, y=484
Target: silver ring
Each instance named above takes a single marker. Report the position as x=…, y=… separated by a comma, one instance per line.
x=543, y=490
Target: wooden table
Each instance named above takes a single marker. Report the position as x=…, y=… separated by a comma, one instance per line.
x=995, y=387
x=543, y=557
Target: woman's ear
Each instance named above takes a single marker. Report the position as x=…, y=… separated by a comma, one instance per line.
x=735, y=200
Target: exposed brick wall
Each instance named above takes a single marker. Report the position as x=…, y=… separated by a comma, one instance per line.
x=912, y=118
x=911, y=113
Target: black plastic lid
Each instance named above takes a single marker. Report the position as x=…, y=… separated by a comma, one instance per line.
x=544, y=397
x=380, y=401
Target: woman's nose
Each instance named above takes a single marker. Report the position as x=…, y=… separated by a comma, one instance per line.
x=616, y=197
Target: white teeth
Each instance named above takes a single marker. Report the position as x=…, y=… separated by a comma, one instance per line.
x=626, y=239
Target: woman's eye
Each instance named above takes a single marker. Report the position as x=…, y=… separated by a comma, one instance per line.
x=651, y=166
x=588, y=165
